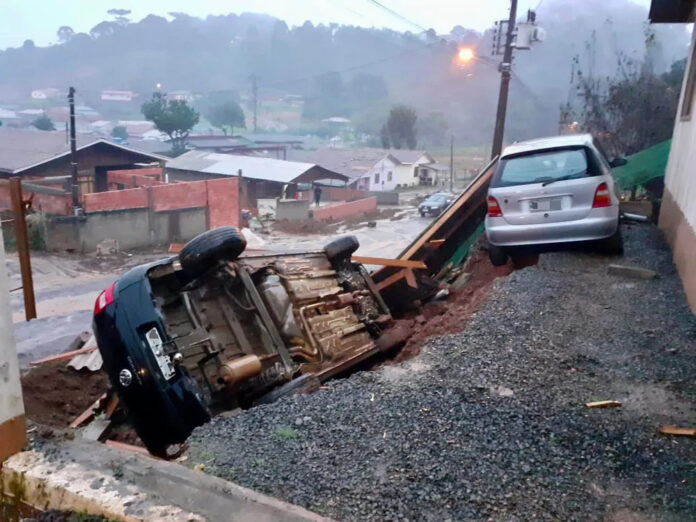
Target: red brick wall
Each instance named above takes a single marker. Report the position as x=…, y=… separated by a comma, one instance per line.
x=179, y=195
x=48, y=203
x=336, y=194
x=345, y=210
x=115, y=200
x=132, y=178
x=223, y=201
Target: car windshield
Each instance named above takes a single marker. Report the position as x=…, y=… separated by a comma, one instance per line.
x=437, y=198
x=542, y=167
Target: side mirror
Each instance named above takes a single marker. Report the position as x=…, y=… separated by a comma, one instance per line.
x=618, y=162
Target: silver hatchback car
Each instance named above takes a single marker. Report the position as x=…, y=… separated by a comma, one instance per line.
x=553, y=190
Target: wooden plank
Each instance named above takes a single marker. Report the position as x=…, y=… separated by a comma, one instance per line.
x=434, y=228
x=391, y=280
x=63, y=356
x=603, y=404
x=129, y=447
x=401, y=263
x=410, y=278
x=87, y=414
x=435, y=242
x=676, y=430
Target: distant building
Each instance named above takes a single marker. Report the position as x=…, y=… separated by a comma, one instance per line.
x=119, y=96
x=186, y=96
x=678, y=210
x=379, y=169
x=44, y=94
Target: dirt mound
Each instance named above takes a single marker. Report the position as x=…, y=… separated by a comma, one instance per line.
x=55, y=394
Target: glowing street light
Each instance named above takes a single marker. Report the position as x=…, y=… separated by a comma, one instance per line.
x=465, y=54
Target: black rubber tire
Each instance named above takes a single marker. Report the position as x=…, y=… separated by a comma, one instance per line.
x=498, y=255
x=341, y=248
x=203, y=251
x=613, y=245
x=288, y=389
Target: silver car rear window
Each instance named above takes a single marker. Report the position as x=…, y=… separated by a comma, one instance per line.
x=543, y=166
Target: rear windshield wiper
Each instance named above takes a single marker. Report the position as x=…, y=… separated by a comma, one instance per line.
x=564, y=178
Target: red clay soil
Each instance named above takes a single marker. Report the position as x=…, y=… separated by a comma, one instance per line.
x=450, y=316
x=55, y=394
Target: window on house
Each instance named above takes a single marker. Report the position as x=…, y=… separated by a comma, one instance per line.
x=689, y=88
x=424, y=173
x=389, y=175
x=377, y=177
x=415, y=173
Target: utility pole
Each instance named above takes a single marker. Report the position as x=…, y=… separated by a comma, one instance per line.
x=73, y=154
x=255, y=96
x=452, y=163
x=505, y=68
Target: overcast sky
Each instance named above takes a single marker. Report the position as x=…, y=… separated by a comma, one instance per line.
x=38, y=20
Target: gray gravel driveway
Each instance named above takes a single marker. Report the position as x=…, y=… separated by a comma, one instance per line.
x=491, y=423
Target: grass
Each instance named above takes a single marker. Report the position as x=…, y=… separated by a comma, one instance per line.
x=286, y=433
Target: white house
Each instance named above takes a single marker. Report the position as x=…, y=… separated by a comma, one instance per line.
x=403, y=168
x=678, y=211
x=121, y=96
x=44, y=94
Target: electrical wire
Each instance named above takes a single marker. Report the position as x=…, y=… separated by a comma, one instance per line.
x=396, y=14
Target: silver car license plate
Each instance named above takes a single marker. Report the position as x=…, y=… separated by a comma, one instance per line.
x=157, y=347
x=542, y=205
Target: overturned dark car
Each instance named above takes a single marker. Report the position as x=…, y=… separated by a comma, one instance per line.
x=190, y=336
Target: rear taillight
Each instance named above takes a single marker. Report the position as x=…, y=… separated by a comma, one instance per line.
x=602, y=198
x=104, y=299
x=493, y=207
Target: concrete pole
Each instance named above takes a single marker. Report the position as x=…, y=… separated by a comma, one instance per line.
x=505, y=72
x=13, y=432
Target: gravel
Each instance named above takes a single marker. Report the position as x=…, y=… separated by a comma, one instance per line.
x=491, y=423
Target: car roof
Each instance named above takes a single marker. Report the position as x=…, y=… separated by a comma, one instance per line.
x=552, y=142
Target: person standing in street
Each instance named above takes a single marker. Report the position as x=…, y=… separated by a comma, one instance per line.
x=317, y=195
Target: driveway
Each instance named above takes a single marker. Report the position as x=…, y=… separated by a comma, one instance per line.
x=491, y=423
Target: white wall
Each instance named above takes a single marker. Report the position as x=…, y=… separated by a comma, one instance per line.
x=11, y=405
x=383, y=167
x=680, y=178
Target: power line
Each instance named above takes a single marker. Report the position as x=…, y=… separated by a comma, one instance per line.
x=397, y=15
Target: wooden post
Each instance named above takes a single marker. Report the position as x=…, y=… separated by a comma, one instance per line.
x=20, y=227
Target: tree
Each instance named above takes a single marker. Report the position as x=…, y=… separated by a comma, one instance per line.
x=384, y=137
x=173, y=117
x=226, y=114
x=119, y=131
x=65, y=33
x=44, y=123
x=401, y=127
x=120, y=15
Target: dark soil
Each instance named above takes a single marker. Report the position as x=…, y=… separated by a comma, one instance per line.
x=55, y=394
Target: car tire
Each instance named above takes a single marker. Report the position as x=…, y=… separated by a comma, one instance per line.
x=342, y=248
x=203, y=251
x=613, y=245
x=498, y=255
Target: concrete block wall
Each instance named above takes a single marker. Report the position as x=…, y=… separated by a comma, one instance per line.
x=292, y=209
x=133, y=178
x=345, y=210
x=335, y=194
x=51, y=204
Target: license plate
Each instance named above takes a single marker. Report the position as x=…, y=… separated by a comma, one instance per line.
x=542, y=205
x=157, y=346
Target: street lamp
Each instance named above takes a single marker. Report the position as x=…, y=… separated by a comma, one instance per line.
x=465, y=54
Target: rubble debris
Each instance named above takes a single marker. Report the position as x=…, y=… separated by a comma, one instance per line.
x=90, y=360
x=676, y=430
x=631, y=271
x=603, y=404
x=107, y=247
x=639, y=218
x=83, y=343
x=129, y=447
x=88, y=413
x=54, y=394
x=401, y=263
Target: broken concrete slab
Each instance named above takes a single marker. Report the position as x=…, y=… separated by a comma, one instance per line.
x=85, y=476
x=631, y=271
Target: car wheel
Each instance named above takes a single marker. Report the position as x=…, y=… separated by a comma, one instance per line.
x=613, y=245
x=341, y=248
x=498, y=255
x=422, y=214
x=203, y=251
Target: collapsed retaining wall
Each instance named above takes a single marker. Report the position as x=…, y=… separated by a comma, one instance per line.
x=345, y=210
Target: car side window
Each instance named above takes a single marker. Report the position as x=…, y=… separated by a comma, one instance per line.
x=602, y=155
